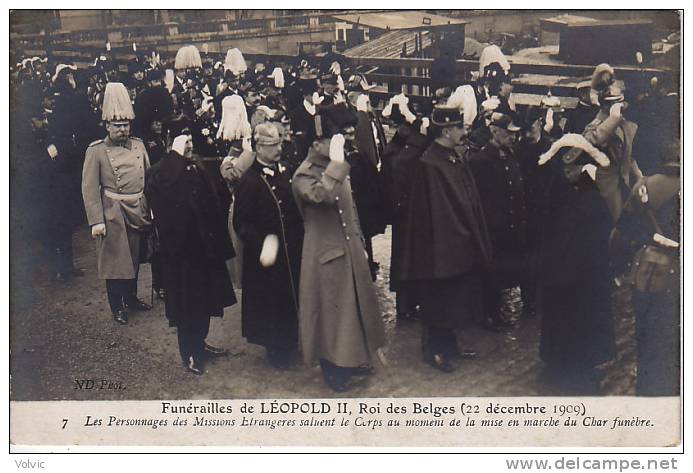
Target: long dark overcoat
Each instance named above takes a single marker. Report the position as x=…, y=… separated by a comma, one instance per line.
x=194, y=240
x=575, y=280
x=264, y=205
x=339, y=319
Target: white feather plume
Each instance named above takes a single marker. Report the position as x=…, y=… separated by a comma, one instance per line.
x=116, y=103
x=573, y=140
x=235, y=62
x=234, y=119
x=278, y=76
x=188, y=57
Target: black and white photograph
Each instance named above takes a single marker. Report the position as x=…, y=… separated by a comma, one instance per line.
x=345, y=204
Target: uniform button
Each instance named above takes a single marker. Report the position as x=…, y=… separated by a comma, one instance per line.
x=510, y=182
x=116, y=169
x=279, y=201
x=343, y=224
x=118, y=179
x=341, y=211
x=120, y=189
x=108, y=150
x=512, y=226
x=507, y=168
x=511, y=212
x=289, y=181
x=347, y=237
x=337, y=198
x=274, y=188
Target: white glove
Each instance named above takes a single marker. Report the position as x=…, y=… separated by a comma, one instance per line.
x=317, y=99
x=337, y=148
x=549, y=121
x=362, y=103
x=642, y=192
x=591, y=171
x=52, y=151
x=664, y=241
x=424, y=126
x=98, y=230
x=270, y=248
x=408, y=115
x=615, y=110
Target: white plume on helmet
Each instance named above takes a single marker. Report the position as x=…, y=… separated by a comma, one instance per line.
x=234, y=119
x=116, y=103
x=464, y=99
x=188, y=57
x=235, y=62
x=278, y=76
x=492, y=54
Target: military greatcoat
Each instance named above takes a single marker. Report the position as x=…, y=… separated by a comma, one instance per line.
x=113, y=193
x=339, y=319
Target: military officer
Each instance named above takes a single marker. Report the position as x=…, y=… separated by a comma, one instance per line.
x=339, y=318
x=112, y=189
x=500, y=183
x=446, y=242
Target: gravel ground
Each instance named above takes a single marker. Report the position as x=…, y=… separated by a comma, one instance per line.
x=62, y=332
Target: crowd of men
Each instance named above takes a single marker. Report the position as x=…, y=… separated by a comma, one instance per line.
x=274, y=178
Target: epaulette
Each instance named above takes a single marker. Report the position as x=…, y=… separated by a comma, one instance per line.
x=94, y=143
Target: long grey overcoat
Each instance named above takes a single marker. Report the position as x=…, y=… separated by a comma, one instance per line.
x=339, y=318
x=112, y=173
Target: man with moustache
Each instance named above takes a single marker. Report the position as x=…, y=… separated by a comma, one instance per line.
x=117, y=211
x=195, y=245
x=447, y=241
x=267, y=221
x=500, y=183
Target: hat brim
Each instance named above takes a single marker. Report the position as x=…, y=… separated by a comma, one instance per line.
x=268, y=142
x=446, y=124
x=512, y=127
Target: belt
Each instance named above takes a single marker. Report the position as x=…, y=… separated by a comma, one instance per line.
x=125, y=197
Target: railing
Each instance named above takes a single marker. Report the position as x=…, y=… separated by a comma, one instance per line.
x=531, y=81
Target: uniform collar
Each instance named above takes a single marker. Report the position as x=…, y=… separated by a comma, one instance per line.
x=109, y=142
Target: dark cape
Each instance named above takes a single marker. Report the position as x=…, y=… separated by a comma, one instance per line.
x=446, y=233
x=264, y=205
x=193, y=237
x=446, y=246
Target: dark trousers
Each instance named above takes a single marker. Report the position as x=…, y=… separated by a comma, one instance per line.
x=120, y=292
x=156, y=268
x=191, y=337
x=372, y=265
